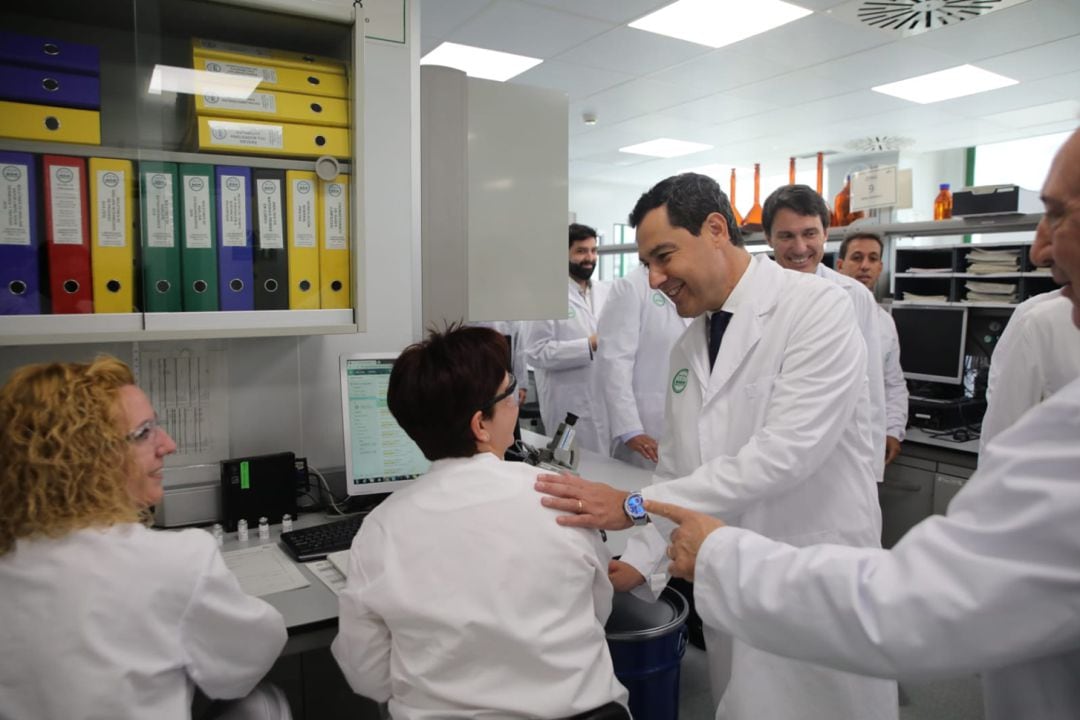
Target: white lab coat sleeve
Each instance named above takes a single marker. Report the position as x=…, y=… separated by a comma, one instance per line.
x=812, y=401
x=646, y=552
x=896, y=392
x=362, y=646
x=543, y=350
x=619, y=328
x=867, y=310
x=1016, y=380
x=230, y=638
x=992, y=584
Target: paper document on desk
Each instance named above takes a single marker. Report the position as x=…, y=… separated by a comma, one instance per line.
x=264, y=570
x=331, y=570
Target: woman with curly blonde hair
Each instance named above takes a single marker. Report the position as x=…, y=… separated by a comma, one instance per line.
x=99, y=615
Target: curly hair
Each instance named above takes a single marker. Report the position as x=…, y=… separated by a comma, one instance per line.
x=66, y=460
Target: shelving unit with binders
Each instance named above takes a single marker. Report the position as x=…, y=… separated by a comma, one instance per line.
x=151, y=244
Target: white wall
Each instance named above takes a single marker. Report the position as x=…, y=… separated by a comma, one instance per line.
x=601, y=205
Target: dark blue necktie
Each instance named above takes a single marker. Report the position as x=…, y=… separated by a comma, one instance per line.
x=717, y=325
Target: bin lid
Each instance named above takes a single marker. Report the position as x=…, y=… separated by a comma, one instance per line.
x=635, y=619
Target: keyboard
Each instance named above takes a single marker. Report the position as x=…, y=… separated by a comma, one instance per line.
x=315, y=543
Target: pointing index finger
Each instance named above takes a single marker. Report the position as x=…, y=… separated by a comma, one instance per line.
x=674, y=513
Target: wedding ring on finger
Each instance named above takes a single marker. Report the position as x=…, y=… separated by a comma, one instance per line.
x=580, y=506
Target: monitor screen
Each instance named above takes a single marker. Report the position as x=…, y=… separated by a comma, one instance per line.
x=931, y=342
x=379, y=456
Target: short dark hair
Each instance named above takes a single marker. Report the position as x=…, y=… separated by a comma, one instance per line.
x=802, y=199
x=689, y=198
x=860, y=235
x=438, y=384
x=580, y=232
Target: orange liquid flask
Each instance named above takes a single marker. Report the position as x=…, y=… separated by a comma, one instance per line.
x=791, y=172
x=735, y=210
x=820, y=170
x=753, y=218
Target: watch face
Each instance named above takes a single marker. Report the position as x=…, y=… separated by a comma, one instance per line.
x=635, y=505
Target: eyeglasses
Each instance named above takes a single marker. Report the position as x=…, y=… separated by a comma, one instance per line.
x=144, y=432
x=509, y=392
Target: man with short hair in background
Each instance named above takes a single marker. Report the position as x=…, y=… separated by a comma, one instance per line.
x=796, y=221
x=561, y=352
x=860, y=258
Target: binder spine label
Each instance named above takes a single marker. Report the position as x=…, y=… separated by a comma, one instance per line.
x=236, y=133
x=265, y=74
x=336, y=234
x=65, y=205
x=233, y=211
x=112, y=211
x=256, y=102
x=303, y=213
x=233, y=47
x=197, y=230
x=160, y=230
x=14, y=205
x=271, y=232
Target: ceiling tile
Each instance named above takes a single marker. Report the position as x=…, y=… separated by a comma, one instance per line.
x=1039, y=115
x=792, y=89
x=575, y=80
x=438, y=18
x=720, y=70
x=1025, y=25
x=1015, y=97
x=631, y=99
x=1037, y=62
x=619, y=12
x=633, y=51
x=886, y=63
x=518, y=27
x=716, y=109
x=810, y=40
x=603, y=138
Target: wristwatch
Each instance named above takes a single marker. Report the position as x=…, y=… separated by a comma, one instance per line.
x=634, y=507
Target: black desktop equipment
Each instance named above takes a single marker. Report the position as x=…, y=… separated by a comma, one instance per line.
x=937, y=414
x=315, y=543
x=258, y=486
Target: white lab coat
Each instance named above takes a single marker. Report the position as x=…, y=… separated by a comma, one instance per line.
x=558, y=351
x=896, y=392
x=1037, y=355
x=777, y=438
x=992, y=587
x=866, y=316
x=465, y=599
x=638, y=327
x=123, y=622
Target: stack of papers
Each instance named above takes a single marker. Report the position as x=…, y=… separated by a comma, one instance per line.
x=988, y=262
x=912, y=297
x=990, y=292
x=929, y=271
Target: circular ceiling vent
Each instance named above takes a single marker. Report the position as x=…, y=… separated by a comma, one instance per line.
x=924, y=15
x=879, y=143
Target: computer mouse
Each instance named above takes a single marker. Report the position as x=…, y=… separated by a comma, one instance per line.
x=961, y=435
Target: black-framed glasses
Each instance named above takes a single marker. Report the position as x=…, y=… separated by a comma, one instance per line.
x=510, y=391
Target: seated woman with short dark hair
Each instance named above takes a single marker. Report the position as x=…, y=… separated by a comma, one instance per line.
x=464, y=598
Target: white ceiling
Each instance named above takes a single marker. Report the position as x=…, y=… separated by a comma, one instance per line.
x=793, y=91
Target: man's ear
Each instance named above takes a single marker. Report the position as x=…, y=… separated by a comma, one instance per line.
x=716, y=225
x=839, y=263
x=479, y=430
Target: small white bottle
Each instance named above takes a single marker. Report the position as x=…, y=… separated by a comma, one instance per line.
x=241, y=530
x=286, y=523
x=219, y=534
x=264, y=529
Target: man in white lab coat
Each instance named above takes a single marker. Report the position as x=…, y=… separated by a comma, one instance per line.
x=639, y=326
x=795, y=219
x=993, y=586
x=773, y=434
x=562, y=352
x=860, y=258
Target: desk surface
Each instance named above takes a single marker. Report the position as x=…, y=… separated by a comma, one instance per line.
x=311, y=612
x=922, y=437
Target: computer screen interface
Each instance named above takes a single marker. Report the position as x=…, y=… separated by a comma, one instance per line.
x=931, y=342
x=379, y=456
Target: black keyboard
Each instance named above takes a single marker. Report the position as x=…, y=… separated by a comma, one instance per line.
x=315, y=543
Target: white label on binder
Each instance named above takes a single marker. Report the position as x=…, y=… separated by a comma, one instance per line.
x=233, y=211
x=265, y=74
x=335, y=235
x=303, y=214
x=65, y=204
x=197, y=230
x=112, y=212
x=232, y=133
x=256, y=102
x=271, y=234
x=14, y=205
x=160, y=223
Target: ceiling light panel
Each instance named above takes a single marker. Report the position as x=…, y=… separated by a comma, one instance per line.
x=665, y=148
x=478, y=62
x=716, y=23
x=945, y=84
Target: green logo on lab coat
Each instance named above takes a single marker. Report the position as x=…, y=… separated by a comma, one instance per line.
x=658, y=299
x=678, y=383
x=571, y=314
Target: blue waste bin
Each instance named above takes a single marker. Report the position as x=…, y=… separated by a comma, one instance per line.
x=647, y=643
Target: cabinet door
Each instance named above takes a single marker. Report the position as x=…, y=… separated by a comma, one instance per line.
x=945, y=487
x=907, y=497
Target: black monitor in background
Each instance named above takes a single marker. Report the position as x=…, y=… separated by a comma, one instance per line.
x=932, y=340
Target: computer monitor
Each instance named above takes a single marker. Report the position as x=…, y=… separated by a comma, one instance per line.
x=379, y=456
x=932, y=340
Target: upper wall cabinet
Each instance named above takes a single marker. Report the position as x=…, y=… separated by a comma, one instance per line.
x=179, y=168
